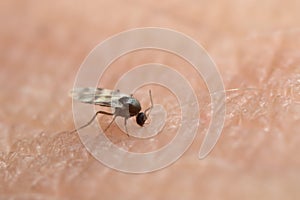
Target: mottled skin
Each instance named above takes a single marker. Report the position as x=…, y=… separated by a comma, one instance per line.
x=254, y=44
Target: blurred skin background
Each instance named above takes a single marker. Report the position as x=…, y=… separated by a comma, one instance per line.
x=254, y=44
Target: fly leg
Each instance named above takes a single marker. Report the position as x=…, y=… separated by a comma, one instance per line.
x=91, y=120
x=110, y=123
x=125, y=124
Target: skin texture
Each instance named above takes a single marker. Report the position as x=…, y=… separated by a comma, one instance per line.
x=254, y=44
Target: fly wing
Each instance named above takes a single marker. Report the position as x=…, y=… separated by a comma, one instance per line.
x=98, y=96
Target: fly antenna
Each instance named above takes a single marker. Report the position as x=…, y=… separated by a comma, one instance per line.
x=148, y=110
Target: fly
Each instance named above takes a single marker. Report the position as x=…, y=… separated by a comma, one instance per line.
x=124, y=105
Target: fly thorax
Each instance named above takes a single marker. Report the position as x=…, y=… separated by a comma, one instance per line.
x=134, y=106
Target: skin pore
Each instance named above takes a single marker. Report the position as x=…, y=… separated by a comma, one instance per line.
x=254, y=46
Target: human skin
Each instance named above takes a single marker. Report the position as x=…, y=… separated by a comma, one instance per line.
x=254, y=44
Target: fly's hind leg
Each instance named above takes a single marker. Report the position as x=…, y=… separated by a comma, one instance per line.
x=110, y=123
x=91, y=120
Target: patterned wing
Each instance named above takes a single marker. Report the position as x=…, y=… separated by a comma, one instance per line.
x=98, y=96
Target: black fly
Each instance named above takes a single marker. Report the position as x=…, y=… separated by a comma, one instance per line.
x=124, y=105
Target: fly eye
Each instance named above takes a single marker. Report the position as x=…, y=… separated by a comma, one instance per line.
x=141, y=118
